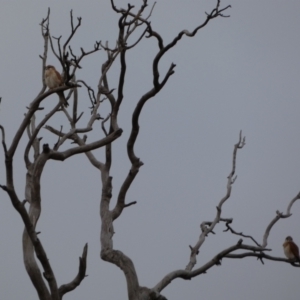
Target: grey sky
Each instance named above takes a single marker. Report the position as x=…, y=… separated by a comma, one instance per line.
x=237, y=73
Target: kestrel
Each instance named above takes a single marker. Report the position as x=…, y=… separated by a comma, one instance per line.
x=290, y=249
x=54, y=80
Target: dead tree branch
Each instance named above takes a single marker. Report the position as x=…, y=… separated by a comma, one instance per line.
x=229, y=228
x=3, y=139
x=188, y=274
x=82, y=149
x=278, y=216
x=207, y=227
x=79, y=277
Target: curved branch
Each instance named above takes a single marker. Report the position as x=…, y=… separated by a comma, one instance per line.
x=288, y=211
x=31, y=243
x=279, y=215
x=116, y=212
x=90, y=91
x=119, y=259
x=135, y=161
x=30, y=238
x=229, y=221
x=186, y=274
x=216, y=12
x=81, y=149
x=136, y=114
x=78, y=60
x=97, y=164
x=65, y=288
x=33, y=108
x=115, y=257
x=36, y=131
x=135, y=124
x=35, y=274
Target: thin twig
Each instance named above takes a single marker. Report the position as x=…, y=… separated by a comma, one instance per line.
x=3, y=139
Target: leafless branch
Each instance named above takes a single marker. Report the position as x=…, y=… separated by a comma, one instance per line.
x=102, y=125
x=52, y=46
x=114, y=7
x=73, y=31
x=33, y=108
x=79, y=117
x=62, y=54
x=150, y=13
x=207, y=227
x=278, y=216
x=229, y=228
x=3, y=187
x=288, y=211
x=79, y=277
x=70, y=136
x=135, y=161
x=89, y=147
x=128, y=13
x=216, y=12
x=39, y=250
x=262, y=255
x=75, y=105
x=91, y=92
x=56, y=132
x=36, y=131
x=79, y=141
x=188, y=274
x=56, y=146
x=130, y=203
x=3, y=139
x=138, y=40
x=97, y=47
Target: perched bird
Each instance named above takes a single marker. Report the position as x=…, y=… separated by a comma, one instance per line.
x=290, y=249
x=54, y=80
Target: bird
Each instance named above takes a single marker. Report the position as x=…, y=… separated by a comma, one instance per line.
x=53, y=80
x=290, y=249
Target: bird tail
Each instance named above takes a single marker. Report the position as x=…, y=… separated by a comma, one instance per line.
x=62, y=99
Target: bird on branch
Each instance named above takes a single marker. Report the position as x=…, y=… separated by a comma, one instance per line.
x=290, y=249
x=53, y=80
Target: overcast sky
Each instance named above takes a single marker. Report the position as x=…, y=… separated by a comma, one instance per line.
x=238, y=73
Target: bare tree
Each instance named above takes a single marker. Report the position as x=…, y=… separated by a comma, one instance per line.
x=131, y=22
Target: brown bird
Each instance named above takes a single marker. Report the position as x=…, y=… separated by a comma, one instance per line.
x=290, y=249
x=54, y=80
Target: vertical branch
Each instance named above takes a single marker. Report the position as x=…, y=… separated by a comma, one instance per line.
x=107, y=252
x=45, y=34
x=211, y=225
x=3, y=139
x=31, y=243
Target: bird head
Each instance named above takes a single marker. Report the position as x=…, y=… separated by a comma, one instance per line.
x=289, y=239
x=49, y=67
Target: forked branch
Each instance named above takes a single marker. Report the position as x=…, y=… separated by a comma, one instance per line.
x=188, y=274
x=208, y=227
x=278, y=216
